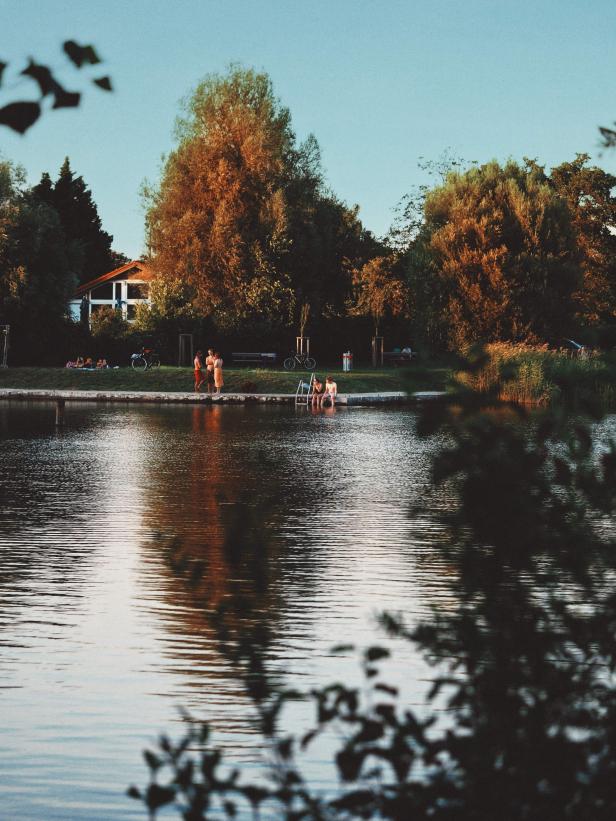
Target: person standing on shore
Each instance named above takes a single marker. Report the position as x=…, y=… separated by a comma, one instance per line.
x=209, y=369
x=198, y=371
x=218, y=380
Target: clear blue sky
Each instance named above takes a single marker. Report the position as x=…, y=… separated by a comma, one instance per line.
x=379, y=82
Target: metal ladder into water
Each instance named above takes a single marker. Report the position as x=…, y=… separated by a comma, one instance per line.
x=303, y=394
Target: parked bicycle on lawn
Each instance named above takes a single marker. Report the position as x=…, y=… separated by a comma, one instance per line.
x=300, y=360
x=148, y=358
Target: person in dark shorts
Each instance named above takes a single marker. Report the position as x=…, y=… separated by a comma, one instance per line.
x=317, y=392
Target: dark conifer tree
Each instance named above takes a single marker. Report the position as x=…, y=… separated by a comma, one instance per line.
x=44, y=190
x=88, y=247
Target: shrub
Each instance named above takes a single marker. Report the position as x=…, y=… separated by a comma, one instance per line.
x=109, y=324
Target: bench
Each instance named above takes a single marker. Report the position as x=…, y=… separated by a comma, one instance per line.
x=253, y=358
x=398, y=358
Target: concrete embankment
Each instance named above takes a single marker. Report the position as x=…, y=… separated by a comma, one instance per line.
x=354, y=399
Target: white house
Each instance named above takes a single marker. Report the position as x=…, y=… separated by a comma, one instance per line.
x=122, y=289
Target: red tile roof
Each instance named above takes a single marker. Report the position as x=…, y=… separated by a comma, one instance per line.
x=144, y=270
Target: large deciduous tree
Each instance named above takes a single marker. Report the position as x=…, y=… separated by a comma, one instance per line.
x=218, y=219
x=241, y=213
x=496, y=259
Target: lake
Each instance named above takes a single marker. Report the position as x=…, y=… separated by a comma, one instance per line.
x=101, y=642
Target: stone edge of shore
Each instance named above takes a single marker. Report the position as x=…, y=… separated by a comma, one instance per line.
x=169, y=397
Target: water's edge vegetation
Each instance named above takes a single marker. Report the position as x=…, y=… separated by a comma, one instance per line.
x=537, y=375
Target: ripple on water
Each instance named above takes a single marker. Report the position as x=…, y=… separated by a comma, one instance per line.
x=100, y=642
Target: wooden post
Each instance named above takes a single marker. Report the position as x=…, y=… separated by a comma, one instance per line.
x=302, y=345
x=60, y=403
x=4, y=345
x=377, y=351
x=185, y=350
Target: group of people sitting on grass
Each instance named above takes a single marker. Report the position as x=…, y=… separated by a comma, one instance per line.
x=88, y=363
x=209, y=370
x=322, y=395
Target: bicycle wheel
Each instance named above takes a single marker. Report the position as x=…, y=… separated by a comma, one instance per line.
x=310, y=363
x=139, y=363
x=289, y=363
x=155, y=362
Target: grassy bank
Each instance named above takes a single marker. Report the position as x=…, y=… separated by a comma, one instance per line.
x=236, y=379
x=536, y=375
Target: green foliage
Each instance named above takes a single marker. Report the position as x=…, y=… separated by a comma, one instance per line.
x=409, y=212
x=511, y=253
x=170, y=299
x=108, y=323
x=20, y=115
x=170, y=312
x=266, y=305
x=496, y=259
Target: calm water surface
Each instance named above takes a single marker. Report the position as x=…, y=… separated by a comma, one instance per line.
x=100, y=642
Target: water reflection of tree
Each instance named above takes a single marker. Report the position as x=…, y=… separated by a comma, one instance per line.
x=215, y=551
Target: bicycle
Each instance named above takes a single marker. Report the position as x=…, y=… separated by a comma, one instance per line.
x=145, y=360
x=300, y=359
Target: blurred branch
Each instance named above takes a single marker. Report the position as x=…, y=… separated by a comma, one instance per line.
x=20, y=115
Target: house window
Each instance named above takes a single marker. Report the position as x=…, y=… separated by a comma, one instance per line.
x=118, y=291
x=137, y=290
x=103, y=291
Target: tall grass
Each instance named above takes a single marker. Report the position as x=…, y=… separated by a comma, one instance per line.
x=536, y=375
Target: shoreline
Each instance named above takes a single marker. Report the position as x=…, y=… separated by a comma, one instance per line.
x=192, y=398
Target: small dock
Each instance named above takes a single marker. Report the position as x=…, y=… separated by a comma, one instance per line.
x=192, y=398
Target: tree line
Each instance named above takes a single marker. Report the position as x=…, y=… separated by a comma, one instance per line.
x=242, y=220
x=245, y=237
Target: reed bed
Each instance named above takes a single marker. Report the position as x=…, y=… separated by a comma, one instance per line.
x=537, y=375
